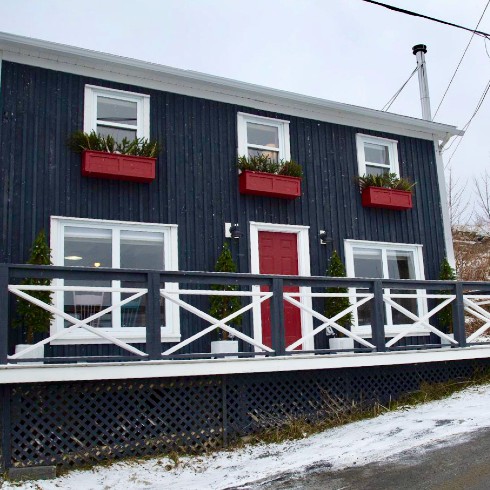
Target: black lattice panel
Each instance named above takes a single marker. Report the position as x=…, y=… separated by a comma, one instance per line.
x=257, y=402
x=82, y=423
x=70, y=424
x=261, y=401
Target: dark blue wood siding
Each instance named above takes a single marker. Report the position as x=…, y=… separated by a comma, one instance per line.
x=196, y=185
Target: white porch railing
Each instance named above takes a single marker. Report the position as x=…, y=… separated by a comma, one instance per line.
x=473, y=304
x=76, y=322
x=419, y=320
x=258, y=298
x=328, y=322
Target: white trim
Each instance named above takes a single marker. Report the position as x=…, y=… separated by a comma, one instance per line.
x=282, y=129
x=84, y=62
x=170, y=332
x=446, y=220
x=142, y=109
x=12, y=374
x=392, y=146
x=416, y=249
x=302, y=233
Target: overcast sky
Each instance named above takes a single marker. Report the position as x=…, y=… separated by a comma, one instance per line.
x=342, y=50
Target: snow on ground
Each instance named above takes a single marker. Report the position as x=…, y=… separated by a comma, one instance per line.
x=412, y=429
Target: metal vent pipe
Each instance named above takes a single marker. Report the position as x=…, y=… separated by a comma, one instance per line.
x=419, y=51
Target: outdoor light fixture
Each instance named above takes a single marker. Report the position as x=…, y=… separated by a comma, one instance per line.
x=233, y=230
x=324, y=238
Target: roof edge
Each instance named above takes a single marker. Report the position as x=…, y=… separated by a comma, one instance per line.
x=110, y=64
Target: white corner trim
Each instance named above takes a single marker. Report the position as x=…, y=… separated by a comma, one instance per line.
x=42, y=373
x=446, y=220
x=304, y=269
x=104, y=66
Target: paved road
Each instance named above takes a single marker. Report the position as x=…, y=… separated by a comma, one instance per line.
x=462, y=466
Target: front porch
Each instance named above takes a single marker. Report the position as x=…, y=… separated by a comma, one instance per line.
x=174, y=331
x=100, y=393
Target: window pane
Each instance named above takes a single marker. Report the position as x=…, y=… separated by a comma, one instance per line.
x=376, y=154
x=88, y=247
x=263, y=135
x=401, y=266
x=140, y=250
x=117, y=133
x=368, y=263
x=117, y=110
x=371, y=170
x=273, y=155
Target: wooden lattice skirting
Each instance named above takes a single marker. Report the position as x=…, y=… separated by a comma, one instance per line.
x=79, y=423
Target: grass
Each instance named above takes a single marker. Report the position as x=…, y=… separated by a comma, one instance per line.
x=334, y=411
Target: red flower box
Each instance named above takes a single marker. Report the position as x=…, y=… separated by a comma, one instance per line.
x=116, y=166
x=264, y=184
x=381, y=197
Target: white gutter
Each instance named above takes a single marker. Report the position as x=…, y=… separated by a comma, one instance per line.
x=107, y=66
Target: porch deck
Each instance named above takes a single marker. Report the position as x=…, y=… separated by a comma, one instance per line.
x=85, y=371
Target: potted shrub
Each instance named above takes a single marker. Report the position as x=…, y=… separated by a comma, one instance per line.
x=104, y=158
x=386, y=191
x=334, y=306
x=261, y=176
x=445, y=316
x=31, y=318
x=222, y=306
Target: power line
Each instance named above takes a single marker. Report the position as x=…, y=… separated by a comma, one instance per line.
x=467, y=125
x=461, y=60
x=390, y=102
x=415, y=14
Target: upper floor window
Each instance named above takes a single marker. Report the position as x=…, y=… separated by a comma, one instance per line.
x=116, y=112
x=263, y=136
x=376, y=156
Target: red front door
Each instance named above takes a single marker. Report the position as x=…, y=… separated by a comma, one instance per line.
x=278, y=254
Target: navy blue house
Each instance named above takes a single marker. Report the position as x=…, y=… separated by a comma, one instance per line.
x=131, y=365
x=178, y=220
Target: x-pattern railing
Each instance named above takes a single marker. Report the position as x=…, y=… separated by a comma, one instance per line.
x=328, y=322
x=257, y=298
x=76, y=322
x=419, y=320
x=473, y=303
x=465, y=299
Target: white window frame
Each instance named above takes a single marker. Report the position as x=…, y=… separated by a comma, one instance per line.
x=142, y=109
x=170, y=332
x=418, y=259
x=392, y=145
x=283, y=134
